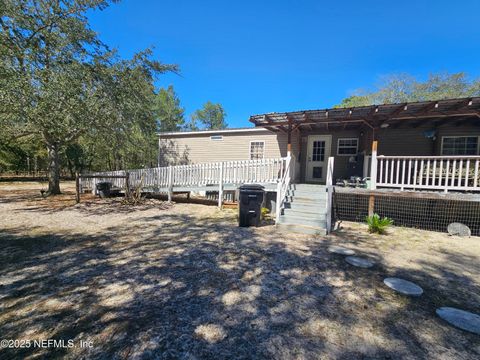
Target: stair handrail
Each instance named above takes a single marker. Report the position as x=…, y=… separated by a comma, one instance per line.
x=282, y=187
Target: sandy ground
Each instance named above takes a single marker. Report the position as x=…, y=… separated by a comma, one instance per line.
x=183, y=281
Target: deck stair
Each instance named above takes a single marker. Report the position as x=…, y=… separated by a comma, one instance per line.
x=304, y=210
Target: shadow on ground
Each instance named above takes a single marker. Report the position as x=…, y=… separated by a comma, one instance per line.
x=179, y=286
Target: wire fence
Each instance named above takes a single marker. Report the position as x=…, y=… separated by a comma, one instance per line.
x=428, y=211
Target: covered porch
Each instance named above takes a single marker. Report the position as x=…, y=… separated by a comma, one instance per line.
x=431, y=145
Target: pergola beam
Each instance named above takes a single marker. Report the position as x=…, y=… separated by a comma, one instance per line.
x=428, y=108
x=373, y=116
x=398, y=110
x=463, y=104
x=358, y=120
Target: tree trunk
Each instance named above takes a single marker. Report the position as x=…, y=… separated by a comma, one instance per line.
x=53, y=170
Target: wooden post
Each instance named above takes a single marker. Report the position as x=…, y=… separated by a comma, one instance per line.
x=373, y=178
x=279, y=199
x=329, y=186
x=220, y=187
x=77, y=188
x=373, y=166
x=170, y=185
x=371, y=205
x=127, y=184
x=289, y=138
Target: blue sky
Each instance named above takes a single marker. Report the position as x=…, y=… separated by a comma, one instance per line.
x=264, y=56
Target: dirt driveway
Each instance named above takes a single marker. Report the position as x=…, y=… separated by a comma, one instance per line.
x=183, y=281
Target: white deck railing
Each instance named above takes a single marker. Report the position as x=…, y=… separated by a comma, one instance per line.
x=329, y=186
x=282, y=187
x=458, y=173
x=195, y=175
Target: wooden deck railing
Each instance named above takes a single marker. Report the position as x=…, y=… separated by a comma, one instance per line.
x=457, y=173
x=216, y=174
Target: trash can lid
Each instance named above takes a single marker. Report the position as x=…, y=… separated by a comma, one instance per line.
x=251, y=187
x=104, y=183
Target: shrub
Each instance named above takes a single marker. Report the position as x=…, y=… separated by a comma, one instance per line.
x=378, y=225
x=265, y=212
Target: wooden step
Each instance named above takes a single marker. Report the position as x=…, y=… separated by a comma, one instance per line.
x=314, y=222
x=310, y=212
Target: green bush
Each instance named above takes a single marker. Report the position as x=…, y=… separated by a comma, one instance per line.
x=378, y=225
x=265, y=212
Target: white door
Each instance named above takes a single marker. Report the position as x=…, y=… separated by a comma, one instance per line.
x=318, y=151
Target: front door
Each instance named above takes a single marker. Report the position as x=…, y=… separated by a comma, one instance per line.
x=318, y=151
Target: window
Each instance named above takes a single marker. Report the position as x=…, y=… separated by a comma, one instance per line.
x=257, y=149
x=460, y=145
x=216, y=137
x=347, y=147
x=318, y=151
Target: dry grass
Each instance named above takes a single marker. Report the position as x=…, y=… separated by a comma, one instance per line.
x=185, y=282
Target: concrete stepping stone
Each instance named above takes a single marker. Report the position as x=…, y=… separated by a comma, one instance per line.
x=459, y=318
x=340, y=250
x=359, y=262
x=403, y=286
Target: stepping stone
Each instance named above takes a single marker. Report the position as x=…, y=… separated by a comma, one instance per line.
x=403, y=286
x=340, y=250
x=459, y=229
x=358, y=261
x=462, y=319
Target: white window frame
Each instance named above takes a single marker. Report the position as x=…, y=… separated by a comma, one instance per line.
x=218, y=138
x=338, y=147
x=250, y=149
x=460, y=136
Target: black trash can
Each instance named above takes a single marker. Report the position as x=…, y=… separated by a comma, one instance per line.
x=250, y=205
x=103, y=189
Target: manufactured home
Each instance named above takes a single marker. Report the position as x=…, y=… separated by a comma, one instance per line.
x=409, y=161
x=435, y=128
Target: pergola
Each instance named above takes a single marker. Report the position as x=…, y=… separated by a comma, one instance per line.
x=374, y=117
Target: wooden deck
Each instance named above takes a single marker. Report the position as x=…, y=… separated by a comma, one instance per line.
x=217, y=177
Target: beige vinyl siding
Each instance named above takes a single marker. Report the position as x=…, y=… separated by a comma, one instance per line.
x=199, y=148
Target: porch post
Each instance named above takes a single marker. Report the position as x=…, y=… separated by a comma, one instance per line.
x=373, y=179
x=289, y=138
x=373, y=166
